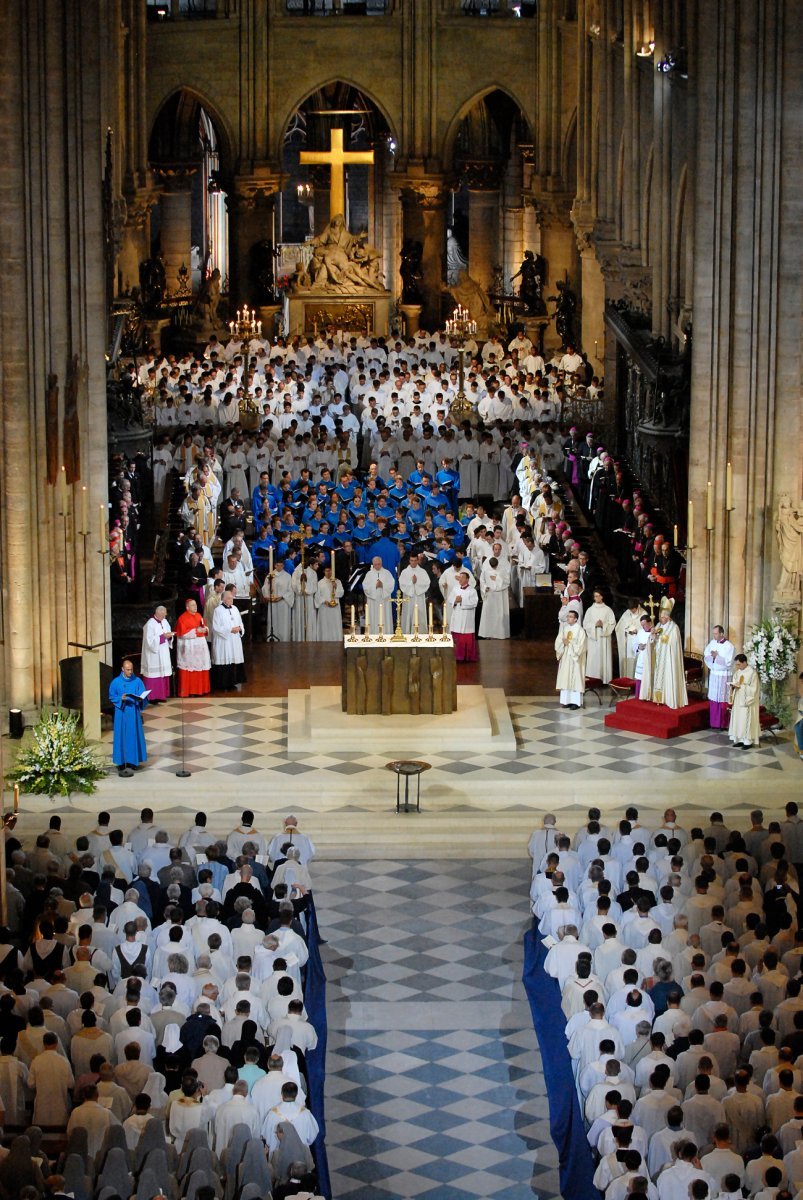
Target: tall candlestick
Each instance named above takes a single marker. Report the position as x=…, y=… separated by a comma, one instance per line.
x=84, y=515
x=333, y=564
x=415, y=620
x=270, y=559
x=103, y=546
x=709, y=506
x=381, y=619
x=431, y=618
x=674, y=535
x=690, y=527
x=728, y=488
x=63, y=491
x=353, y=622
x=16, y=797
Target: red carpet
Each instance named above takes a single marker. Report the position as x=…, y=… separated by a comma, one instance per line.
x=655, y=720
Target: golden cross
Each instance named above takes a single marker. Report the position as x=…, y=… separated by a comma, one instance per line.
x=336, y=158
x=651, y=604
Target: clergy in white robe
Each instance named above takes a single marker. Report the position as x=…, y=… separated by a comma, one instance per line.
x=378, y=585
x=328, y=595
x=305, y=615
x=599, y=623
x=13, y=1079
x=530, y=561
x=228, y=670
x=239, y=1110
x=296, y=1112
x=235, y=464
x=570, y=649
x=718, y=657
x=669, y=679
x=745, y=729
x=278, y=594
x=51, y=1077
x=414, y=584
x=627, y=627
x=95, y=1118
x=642, y=651
x=463, y=600
x=156, y=667
x=495, y=590
x=162, y=466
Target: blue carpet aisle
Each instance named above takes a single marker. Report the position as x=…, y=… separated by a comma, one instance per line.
x=434, y=1087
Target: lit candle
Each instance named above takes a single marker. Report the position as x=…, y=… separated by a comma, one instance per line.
x=84, y=502
x=690, y=527
x=431, y=617
x=367, y=622
x=709, y=506
x=333, y=564
x=353, y=623
x=103, y=546
x=16, y=797
x=674, y=535
x=270, y=559
x=728, y=488
x=381, y=619
x=63, y=491
x=415, y=620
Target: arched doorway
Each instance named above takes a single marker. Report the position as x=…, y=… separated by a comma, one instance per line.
x=189, y=227
x=490, y=155
x=305, y=207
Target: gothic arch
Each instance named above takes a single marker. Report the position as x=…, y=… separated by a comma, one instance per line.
x=453, y=128
x=298, y=103
x=185, y=97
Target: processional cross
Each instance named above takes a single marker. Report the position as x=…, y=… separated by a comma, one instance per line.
x=336, y=158
x=651, y=604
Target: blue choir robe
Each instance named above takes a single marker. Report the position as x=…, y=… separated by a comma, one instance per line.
x=388, y=550
x=129, y=735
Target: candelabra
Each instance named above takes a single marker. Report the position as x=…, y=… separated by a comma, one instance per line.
x=461, y=327
x=246, y=329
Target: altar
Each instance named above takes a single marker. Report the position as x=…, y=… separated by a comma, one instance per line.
x=308, y=312
x=392, y=676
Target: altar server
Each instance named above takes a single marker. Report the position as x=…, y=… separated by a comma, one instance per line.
x=599, y=623
x=718, y=656
x=570, y=649
x=277, y=591
x=228, y=669
x=328, y=595
x=414, y=584
x=155, y=663
x=744, y=729
x=495, y=589
x=463, y=600
x=305, y=617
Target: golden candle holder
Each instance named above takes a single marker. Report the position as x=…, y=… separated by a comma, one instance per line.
x=445, y=632
x=398, y=635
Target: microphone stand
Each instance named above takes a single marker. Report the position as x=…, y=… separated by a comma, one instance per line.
x=272, y=637
x=183, y=773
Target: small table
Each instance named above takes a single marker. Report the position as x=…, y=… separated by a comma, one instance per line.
x=408, y=769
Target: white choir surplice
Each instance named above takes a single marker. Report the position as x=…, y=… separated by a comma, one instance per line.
x=570, y=648
x=719, y=668
x=155, y=661
x=227, y=646
x=305, y=617
x=627, y=627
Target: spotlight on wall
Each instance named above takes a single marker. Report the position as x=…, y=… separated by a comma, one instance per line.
x=645, y=50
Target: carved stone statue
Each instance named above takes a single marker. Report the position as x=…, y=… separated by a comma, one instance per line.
x=532, y=273
x=565, y=308
x=789, y=531
x=473, y=296
x=207, y=302
x=410, y=271
x=456, y=260
x=342, y=262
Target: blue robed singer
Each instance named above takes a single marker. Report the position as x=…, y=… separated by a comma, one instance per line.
x=129, y=696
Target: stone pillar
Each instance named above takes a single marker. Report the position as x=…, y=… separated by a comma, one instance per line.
x=136, y=239
x=175, y=233
x=513, y=244
x=250, y=203
x=53, y=315
x=558, y=248
x=483, y=235
x=424, y=215
x=746, y=363
x=592, y=290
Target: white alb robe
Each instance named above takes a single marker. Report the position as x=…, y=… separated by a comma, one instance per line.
x=414, y=584
x=627, y=627
x=495, y=589
x=227, y=646
x=378, y=588
x=599, y=660
x=744, y=727
x=464, y=614
x=298, y=1115
x=305, y=617
x=669, y=679
x=330, y=616
x=281, y=606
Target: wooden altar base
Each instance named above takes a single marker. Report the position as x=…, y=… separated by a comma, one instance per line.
x=656, y=720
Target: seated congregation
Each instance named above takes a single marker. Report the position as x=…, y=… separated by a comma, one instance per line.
x=678, y=956
x=156, y=1015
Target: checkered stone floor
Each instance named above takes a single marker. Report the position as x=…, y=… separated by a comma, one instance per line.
x=234, y=737
x=434, y=1083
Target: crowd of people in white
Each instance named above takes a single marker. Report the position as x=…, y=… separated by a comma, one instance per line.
x=678, y=956
x=152, y=1012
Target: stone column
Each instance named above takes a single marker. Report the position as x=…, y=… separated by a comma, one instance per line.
x=251, y=209
x=513, y=244
x=558, y=248
x=746, y=365
x=424, y=216
x=483, y=181
x=136, y=238
x=175, y=208
x=592, y=289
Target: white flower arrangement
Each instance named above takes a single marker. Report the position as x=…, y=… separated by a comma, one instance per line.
x=772, y=649
x=58, y=761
